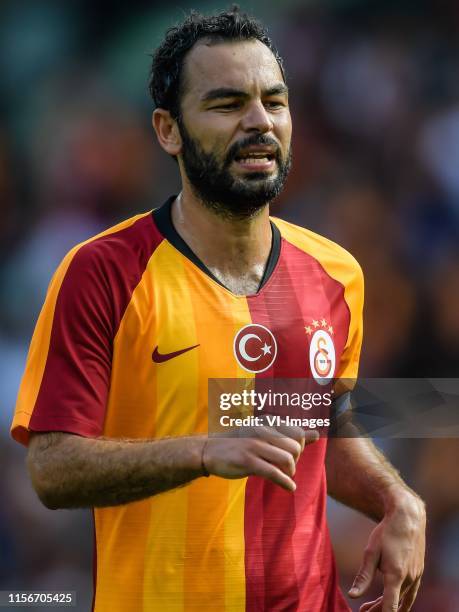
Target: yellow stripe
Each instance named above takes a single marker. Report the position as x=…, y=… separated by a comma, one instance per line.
x=235, y=547
x=120, y=573
x=39, y=347
x=176, y=415
x=215, y=531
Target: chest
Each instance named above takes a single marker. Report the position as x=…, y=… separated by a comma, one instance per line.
x=182, y=329
x=181, y=316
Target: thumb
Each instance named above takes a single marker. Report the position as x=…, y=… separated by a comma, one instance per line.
x=365, y=574
x=310, y=436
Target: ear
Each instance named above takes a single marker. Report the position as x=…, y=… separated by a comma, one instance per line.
x=167, y=131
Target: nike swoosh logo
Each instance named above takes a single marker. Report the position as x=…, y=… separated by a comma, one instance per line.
x=161, y=357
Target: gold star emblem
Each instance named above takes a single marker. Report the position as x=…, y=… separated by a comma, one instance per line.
x=323, y=323
x=315, y=323
x=330, y=329
x=308, y=329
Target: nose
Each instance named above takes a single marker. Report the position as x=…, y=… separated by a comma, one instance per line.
x=257, y=118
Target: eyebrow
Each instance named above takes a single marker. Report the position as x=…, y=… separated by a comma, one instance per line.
x=229, y=92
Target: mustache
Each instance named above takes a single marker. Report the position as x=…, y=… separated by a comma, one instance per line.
x=256, y=139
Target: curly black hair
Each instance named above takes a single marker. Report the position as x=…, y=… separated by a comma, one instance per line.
x=165, y=83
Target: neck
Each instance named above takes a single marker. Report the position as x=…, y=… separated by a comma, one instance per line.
x=235, y=250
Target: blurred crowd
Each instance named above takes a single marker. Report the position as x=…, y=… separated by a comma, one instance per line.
x=375, y=103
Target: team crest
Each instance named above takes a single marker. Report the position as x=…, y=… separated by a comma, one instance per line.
x=322, y=358
x=255, y=348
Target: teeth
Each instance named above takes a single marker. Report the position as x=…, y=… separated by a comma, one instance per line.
x=254, y=160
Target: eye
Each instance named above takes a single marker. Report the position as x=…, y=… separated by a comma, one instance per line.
x=229, y=106
x=274, y=104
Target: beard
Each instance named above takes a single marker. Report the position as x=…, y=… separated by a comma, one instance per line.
x=227, y=195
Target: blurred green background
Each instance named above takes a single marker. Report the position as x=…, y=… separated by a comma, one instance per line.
x=375, y=103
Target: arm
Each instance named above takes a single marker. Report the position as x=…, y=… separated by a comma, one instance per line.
x=359, y=476
x=69, y=471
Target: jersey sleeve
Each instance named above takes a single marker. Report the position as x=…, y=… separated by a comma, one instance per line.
x=353, y=295
x=67, y=374
x=66, y=382
x=346, y=377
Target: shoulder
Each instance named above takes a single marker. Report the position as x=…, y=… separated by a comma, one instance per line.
x=135, y=237
x=124, y=248
x=102, y=272
x=336, y=260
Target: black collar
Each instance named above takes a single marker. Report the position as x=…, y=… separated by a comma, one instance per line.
x=163, y=219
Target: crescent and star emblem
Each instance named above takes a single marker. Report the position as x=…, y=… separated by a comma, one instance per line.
x=255, y=348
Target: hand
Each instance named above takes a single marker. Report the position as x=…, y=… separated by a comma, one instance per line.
x=396, y=547
x=258, y=451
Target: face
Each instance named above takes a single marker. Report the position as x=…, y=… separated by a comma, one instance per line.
x=235, y=126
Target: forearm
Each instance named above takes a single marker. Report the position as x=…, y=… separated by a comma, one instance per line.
x=359, y=476
x=69, y=471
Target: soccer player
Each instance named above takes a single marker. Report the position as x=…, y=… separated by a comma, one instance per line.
x=113, y=402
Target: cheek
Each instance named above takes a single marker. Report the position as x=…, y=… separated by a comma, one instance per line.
x=214, y=132
x=212, y=142
x=283, y=130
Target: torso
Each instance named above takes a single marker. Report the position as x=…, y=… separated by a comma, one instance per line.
x=214, y=544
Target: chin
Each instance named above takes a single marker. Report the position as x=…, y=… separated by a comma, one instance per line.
x=257, y=177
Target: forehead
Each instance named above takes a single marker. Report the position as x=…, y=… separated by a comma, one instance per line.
x=243, y=65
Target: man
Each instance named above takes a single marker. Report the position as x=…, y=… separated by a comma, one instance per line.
x=137, y=320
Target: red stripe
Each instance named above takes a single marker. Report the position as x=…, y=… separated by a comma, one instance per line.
x=289, y=561
x=270, y=511
x=92, y=300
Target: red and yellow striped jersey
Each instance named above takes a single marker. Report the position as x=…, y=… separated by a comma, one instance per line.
x=108, y=358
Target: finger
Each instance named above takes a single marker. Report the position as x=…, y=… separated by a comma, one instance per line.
x=275, y=438
x=391, y=594
x=310, y=436
x=410, y=596
x=376, y=605
x=371, y=605
x=279, y=457
x=271, y=472
x=365, y=574
x=376, y=608
x=292, y=447
x=304, y=437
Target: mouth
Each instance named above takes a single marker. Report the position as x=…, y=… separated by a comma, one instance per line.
x=260, y=160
